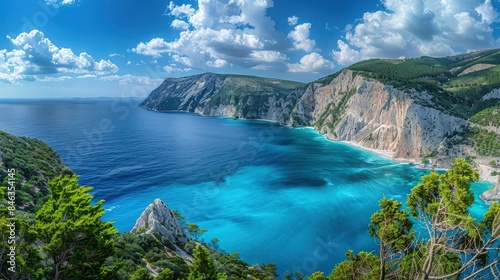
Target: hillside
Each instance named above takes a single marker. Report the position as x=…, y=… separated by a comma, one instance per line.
x=35, y=164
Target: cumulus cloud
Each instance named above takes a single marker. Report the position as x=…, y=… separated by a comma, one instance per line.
x=222, y=33
x=179, y=24
x=35, y=55
x=293, y=20
x=312, y=62
x=414, y=28
x=300, y=37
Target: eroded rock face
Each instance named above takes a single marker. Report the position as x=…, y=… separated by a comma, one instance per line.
x=157, y=217
x=379, y=116
x=492, y=194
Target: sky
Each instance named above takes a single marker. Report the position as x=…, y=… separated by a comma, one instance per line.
x=126, y=48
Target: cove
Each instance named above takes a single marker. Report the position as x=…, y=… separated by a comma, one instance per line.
x=270, y=193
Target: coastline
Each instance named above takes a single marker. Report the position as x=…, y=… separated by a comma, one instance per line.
x=484, y=171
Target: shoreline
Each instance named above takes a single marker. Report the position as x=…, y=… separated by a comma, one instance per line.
x=484, y=171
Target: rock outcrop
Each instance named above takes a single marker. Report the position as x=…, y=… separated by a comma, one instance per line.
x=492, y=194
x=158, y=218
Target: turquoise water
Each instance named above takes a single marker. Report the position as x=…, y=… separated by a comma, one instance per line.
x=271, y=193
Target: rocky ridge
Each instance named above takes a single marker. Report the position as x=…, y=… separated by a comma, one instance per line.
x=158, y=218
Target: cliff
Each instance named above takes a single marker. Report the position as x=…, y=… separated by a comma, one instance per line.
x=415, y=110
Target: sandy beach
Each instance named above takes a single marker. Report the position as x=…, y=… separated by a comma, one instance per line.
x=484, y=171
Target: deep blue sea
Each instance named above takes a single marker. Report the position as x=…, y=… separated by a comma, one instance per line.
x=271, y=193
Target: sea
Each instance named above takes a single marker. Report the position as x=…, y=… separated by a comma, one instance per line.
x=271, y=193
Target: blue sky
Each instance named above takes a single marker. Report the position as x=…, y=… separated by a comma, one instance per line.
x=92, y=48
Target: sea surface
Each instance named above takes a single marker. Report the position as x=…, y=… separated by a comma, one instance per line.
x=268, y=192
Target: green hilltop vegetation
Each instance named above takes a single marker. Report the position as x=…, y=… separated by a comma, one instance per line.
x=35, y=164
x=454, y=89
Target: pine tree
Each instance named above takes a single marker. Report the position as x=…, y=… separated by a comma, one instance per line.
x=393, y=227
x=76, y=242
x=203, y=268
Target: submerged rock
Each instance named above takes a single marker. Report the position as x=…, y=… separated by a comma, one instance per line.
x=158, y=218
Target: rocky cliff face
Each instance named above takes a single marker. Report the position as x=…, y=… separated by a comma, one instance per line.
x=157, y=218
x=377, y=116
x=349, y=107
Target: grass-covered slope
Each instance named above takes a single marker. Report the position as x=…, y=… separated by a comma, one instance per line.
x=35, y=164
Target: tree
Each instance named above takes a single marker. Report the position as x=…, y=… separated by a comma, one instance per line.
x=393, y=227
x=215, y=244
x=165, y=274
x=456, y=242
x=76, y=242
x=363, y=266
x=203, y=267
x=141, y=274
x=195, y=230
x=317, y=276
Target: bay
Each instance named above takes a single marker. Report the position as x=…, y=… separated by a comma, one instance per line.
x=268, y=192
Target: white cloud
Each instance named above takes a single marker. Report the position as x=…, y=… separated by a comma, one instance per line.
x=300, y=37
x=34, y=55
x=155, y=47
x=293, y=20
x=87, y=76
x=173, y=68
x=179, y=24
x=132, y=79
x=180, y=11
x=129, y=62
x=414, y=28
x=346, y=55
x=59, y=3
x=116, y=54
x=221, y=33
x=312, y=62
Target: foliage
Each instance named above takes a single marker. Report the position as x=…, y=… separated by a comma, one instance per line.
x=141, y=274
x=362, y=266
x=454, y=246
x=487, y=117
x=203, y=267
x=334, y=112
x=195, y=230
x=393, y=227
x=317, y=276
x=165, y=274
x=486, y=143
x=35, y=164
x=76, y=240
